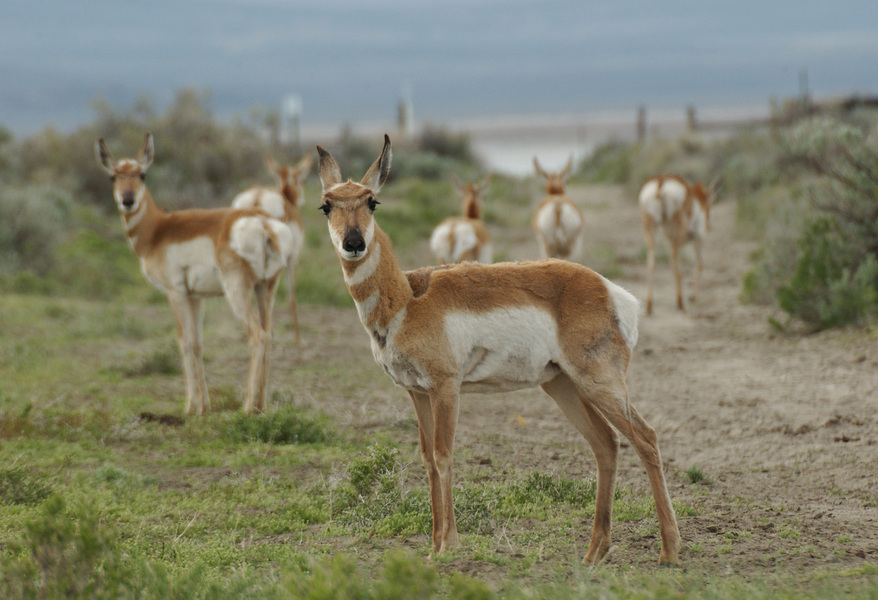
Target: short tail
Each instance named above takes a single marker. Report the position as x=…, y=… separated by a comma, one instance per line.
x=265, y=243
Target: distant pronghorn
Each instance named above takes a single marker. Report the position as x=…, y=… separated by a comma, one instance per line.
x=440, y=331
x=557, y=221
x=193, y=254
x=465, y=238
x=683, y=211
x=283, y=204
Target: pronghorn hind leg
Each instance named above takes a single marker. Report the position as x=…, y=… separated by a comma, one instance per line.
x=265, y=293
x=291, y=292
x=426, y=432
x=610, y=398
x=238, y=292
x=678, y=276
x=649, y=232
x=698, y=264
x=604, y=445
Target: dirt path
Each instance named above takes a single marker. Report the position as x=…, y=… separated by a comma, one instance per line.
x=785, y=428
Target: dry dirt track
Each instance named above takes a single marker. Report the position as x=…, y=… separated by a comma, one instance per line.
x=785, y=427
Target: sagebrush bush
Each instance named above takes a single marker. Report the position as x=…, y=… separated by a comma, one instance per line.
x=33, y=220
x=834, y=281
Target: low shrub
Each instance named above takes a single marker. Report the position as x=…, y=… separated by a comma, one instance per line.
x=286, y=425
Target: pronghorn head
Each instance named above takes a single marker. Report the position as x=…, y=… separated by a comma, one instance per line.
x=472, y=194
x=291, y=186
x=554, y=181
x=127, y=175
x=707, y=197
x=349, y=206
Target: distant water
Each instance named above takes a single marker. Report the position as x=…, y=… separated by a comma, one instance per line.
x=509, y=143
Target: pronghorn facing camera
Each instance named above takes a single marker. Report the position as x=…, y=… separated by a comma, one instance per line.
x=283, y=204
x=193, y=254
x=682, y=209
x=440, y=331
x=464, y=238
x=557, y=221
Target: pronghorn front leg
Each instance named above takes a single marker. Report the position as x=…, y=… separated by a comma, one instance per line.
x=189, y=315
x=424, y=413
x=444, y=402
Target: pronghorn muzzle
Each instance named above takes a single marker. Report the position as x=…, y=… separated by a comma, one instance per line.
x=354, y=242
x=128, y=199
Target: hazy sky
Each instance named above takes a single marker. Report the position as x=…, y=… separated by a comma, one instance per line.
x=350, y=60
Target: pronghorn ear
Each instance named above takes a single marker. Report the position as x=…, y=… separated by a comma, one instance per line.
x=273, y=166
x=484, y=183
x=303, y=167
x=539, y=169
x=330, y=174
x=565, y=172
x=380, y=169
x=105, y=159
x=456, y=183
x=147, y=153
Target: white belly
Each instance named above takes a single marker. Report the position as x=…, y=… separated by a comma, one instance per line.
x=505, y=349
x=191, y=268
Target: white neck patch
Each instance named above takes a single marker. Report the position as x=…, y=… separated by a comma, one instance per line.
x=366, y=269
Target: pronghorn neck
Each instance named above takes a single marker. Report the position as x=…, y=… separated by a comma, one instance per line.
x=140, y=225
x=378, y=285
x=471, y=209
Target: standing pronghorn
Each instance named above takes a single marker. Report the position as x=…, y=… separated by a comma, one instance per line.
x=557, y=221
x=193, y=254
x=283, y=204
x=683, y=211
x=440, y=331
x=465, y=238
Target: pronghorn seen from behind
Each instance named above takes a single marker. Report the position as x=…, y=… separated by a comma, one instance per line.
x=682, y=209
x=464, y=238
x=194, y=254
x=283, y=204
x=557, y=221
x=469, y=327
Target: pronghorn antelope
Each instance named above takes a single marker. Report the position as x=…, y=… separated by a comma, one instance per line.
x=465, y=238
x=557, y=221
x=683, y=211
x=193, y=254
x=283, y=204
x=440, y=331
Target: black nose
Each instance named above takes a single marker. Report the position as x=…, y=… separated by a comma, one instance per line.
x=353, y=242
x=128, y=200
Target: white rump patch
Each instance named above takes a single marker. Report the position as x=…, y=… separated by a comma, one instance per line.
x=270, y=201
x=250, y=240
x=450, y=241
x=627, y=311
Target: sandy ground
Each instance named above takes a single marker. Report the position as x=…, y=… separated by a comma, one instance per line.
x=783, y=426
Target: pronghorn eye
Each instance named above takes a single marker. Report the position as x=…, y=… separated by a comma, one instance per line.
x=325, y=208
x=112, y=178
x=373, y=204
x=142, y=176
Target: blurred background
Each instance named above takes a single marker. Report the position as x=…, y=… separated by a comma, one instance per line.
x=556, y=75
